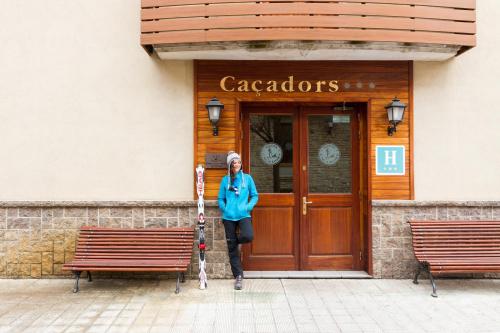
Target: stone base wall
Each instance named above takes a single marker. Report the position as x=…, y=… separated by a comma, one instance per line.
x=37, y=238
x=391, y=237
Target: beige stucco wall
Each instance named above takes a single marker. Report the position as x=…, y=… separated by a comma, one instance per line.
x=85, y=113
x=457, y=119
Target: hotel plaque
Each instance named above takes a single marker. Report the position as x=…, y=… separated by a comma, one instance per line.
x=215, y=160
x=390, y=160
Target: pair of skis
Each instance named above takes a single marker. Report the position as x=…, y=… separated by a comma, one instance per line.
x=200, y=189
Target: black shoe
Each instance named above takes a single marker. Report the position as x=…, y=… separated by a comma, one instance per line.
x=238, y=283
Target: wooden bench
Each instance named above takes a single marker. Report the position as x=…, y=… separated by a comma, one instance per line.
x=443, y=247
x=132, y=250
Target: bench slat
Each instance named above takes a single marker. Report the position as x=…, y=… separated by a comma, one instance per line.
x=130, y=269
x=457, y=246
x=153, y=250
x=133, y=244
x=458, y=253
x=104, y=256
x=131, y=251
x=122, y=262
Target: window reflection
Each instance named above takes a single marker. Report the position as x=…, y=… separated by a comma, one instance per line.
x=271, y=153
x=329, y=154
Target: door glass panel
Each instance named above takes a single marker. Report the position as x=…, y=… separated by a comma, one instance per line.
x=271, y=153
x=329, y=150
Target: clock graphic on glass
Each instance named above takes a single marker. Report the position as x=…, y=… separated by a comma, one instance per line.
x=271, y=153
x=329, y=154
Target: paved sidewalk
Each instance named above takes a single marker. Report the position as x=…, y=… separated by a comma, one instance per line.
x=271, y=305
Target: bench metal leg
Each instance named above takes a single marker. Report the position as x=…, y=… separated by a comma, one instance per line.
x=89, y=276
x=419, y=270
x=431, y=277
x=177, y=287
x=434, y=293
x=77, y=279
x=183, y=277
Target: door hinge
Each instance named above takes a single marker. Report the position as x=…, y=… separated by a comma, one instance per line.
x=360, y=255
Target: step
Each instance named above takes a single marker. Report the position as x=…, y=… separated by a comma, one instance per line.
x=307, y=275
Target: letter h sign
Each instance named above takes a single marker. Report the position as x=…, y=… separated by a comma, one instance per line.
x=390, y=160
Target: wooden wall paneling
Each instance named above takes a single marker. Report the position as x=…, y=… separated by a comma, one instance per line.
x=411, y=132
x=390, y=79
x=196, y=161
x=206, y=142
x=239, y=128
x=388, y=187
x=369, y=240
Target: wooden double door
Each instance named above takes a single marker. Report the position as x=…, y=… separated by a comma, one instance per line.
x=305, y=163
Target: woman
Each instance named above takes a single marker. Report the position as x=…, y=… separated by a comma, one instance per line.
x=235, y=191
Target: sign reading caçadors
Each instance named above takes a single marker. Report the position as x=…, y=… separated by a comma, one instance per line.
x=231, y=83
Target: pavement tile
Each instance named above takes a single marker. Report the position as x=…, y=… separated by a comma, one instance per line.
x=109, y=313
x=83, y=321
x=129, y=313
x=181, y=328
x=348, y=328
x=5, y=321
x=75, y=329
x=265, y=328
x=116, y=306
x=54, y=329
x=123, y=321
x=103, y=321
x=116, y=329
x=159, y=329
x=97, y=329
x=139, y=329
x=134, y=306
x=267, y=305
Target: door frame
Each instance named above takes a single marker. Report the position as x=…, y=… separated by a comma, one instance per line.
x=365, y=164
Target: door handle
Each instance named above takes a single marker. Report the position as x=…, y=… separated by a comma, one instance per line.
x=304, y=205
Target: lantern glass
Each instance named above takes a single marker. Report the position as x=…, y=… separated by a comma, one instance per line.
x=214, y=114
x=398, y=113
x=390, y=114
x=395, y=111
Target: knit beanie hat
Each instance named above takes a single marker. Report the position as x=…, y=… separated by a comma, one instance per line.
x=231, y=156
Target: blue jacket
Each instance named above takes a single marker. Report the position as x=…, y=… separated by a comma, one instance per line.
x=236, y=207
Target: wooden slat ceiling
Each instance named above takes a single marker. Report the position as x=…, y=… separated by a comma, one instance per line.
x=440, y=22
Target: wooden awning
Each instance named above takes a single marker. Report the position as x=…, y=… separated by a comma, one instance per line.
x=319, y=30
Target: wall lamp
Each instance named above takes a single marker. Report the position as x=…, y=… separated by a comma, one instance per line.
x=395, y=113
x=214, y=108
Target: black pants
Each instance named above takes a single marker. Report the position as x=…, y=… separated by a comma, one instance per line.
x=233, y=238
